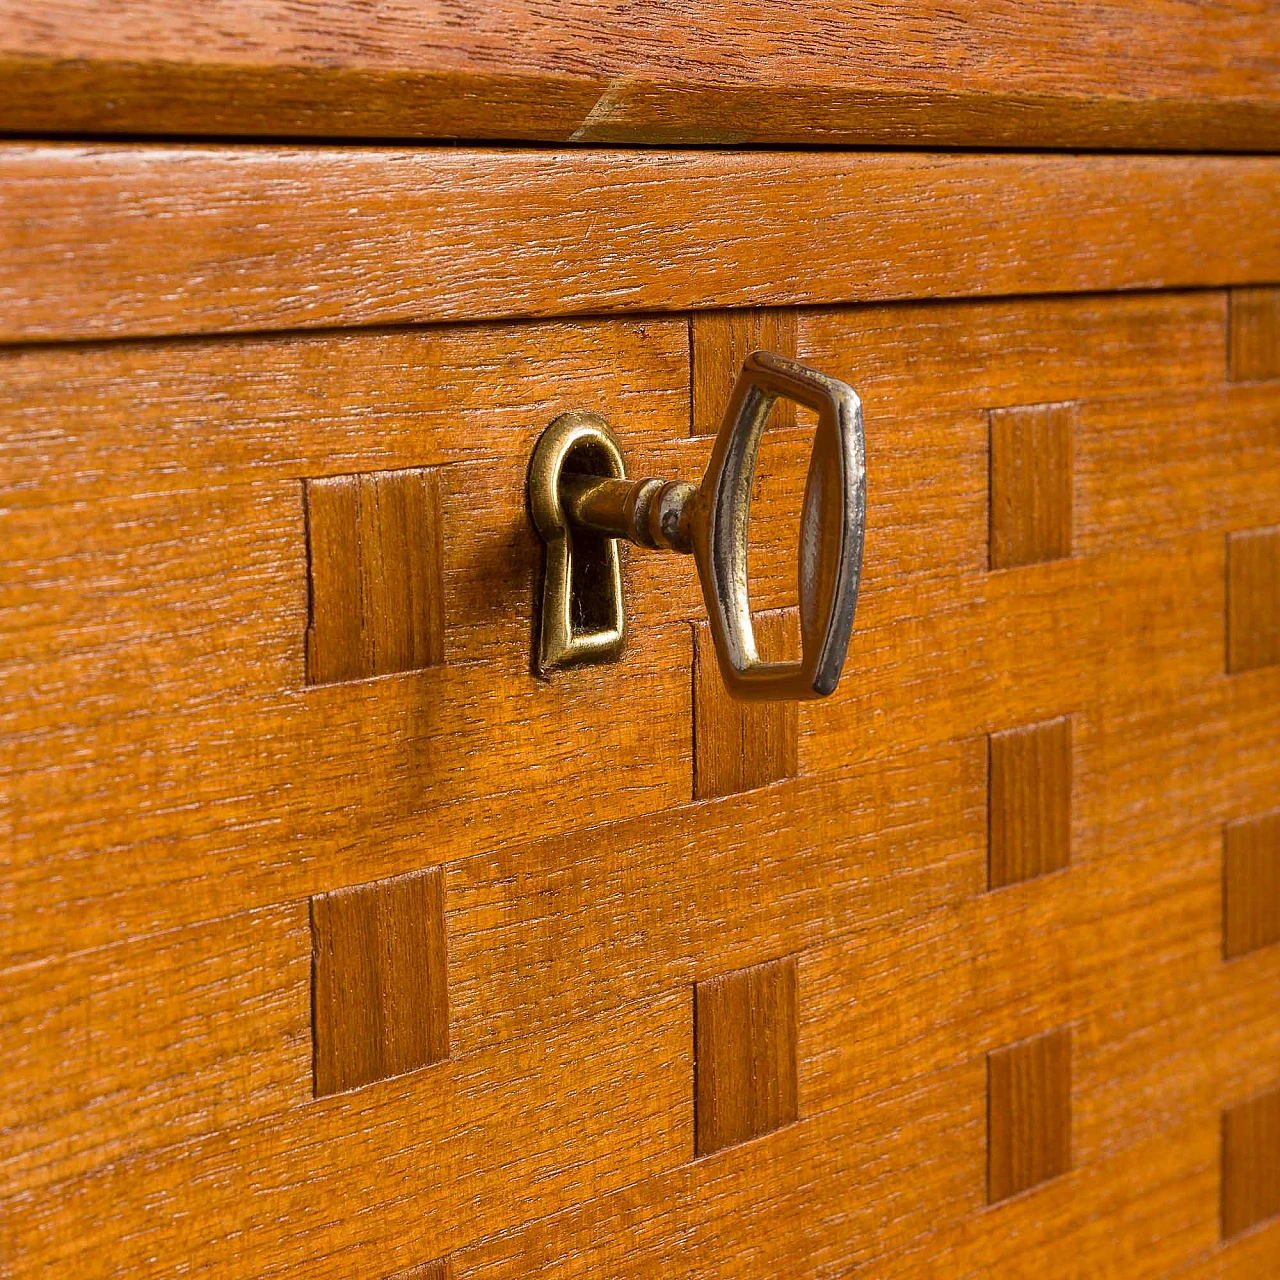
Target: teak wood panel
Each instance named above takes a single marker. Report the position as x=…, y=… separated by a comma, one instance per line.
x=1255, y=333
x=281, y=238
x=374, y=574
x=1028, y=1114
x=379, y=982
x=1250, y=884
x=1031, y=483
x=1041, y=74
x=158, y=967
x=1028, y=802
x=261, y=616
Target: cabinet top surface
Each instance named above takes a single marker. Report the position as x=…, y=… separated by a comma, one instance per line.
x=917, y=73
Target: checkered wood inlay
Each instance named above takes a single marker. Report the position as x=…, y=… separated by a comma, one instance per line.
x=374, y=559
x=745, y=1054
x=1028, y=1114
x=1250, y=1163
x=1028, y=802
x=379, y=995
x=726, y=995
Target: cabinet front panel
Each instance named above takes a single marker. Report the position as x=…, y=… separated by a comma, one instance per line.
x=336, y=943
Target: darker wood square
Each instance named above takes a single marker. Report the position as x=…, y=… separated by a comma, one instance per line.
x=745, y=1054
x=1251, y=884
x=1253, y=599
x=376, y=578
x=1028, y=1114
x=1031, y=483
x=719, y=341
x=1255, y=333
x=380, y=1002
x=1250, y=1163
x=739, y=745
x=1029, y=802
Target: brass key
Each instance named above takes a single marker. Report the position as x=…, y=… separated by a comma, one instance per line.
x=581, y=503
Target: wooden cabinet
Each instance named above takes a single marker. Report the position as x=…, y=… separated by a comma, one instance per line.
x=336, y=943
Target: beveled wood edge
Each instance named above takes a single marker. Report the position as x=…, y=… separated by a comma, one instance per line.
x=135, y=240
x=160, y=98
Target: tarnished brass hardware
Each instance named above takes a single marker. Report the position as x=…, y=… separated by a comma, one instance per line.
x=583, y=501
x=582, y=618
x=650, y=513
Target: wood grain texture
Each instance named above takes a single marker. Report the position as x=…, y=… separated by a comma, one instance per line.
x=904, y=545
x=1172, y=1184
x=439, y=1269
x=1040, y=74
x=1255, y=333
x=208, y=580
x=951, y=357
x=1251, y=884
x=575, y=1115
x=971, y=930
x=915, y=824
x=1253, y=599
x=1029, y=771
x=375, y=575
x=379, y=980
x=745, y=1056
x=987, y=665
x=1256, y=1253
x=1032, y=483
x=1143, y=1083
x=719, y=341
x=760, y=1191
x=176, y=794
x=738, y=746
x=266, y=239
x=1250, y=1163
x=1190, y=483
x=158, y=1039
x=1028, y=1114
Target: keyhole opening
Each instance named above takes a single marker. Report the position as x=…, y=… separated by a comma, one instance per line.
x=591, y=605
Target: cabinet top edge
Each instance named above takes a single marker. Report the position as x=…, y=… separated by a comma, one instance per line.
x=1039, y=75
x=117, y=242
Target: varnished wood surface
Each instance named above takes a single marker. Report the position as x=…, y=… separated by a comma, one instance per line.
x=374, y=575
x=1250, y=1163
x=276, y=238
x=178, y=794
x=1029, y=802
x=1041, y=74
x=1251, y=884
x=178, y=413
x=1028, y=1114
x=744, y=1027
x=379, y=981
